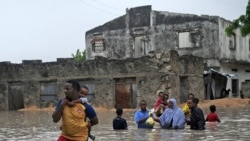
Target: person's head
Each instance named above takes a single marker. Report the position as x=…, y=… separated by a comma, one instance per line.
x=193, y=102
x=190, y=96
x=212, y=108
x=161, y=95
x=189, y=103
x=166, y=96
x=84, y=91
x=143, y=105
x=119, y=111
x=72, y=88
x=172, y=103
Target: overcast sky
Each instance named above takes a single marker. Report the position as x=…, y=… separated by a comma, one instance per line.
x=49, y=29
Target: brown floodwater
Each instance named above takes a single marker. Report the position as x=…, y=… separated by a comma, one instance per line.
x=38, y=126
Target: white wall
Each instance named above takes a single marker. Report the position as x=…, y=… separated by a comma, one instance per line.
x=241, y=52
x=241, y=74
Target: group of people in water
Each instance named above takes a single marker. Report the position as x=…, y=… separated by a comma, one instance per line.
x=78, y=115
x=169, y=115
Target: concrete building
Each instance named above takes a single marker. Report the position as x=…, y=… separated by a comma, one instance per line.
x=142, y=31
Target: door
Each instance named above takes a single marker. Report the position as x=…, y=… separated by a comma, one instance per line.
x=125, y=92
x=15, y=96
x=235, y=87
x=183, y=89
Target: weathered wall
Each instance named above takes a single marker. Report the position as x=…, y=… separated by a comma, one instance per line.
x=245, y=88
x=239, y=49
x=159, y=32
x=152, y=72
x=142, y=31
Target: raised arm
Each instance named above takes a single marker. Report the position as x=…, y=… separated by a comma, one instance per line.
x=57, y=114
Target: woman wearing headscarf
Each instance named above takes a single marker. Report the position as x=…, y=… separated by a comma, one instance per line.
x=173, y=117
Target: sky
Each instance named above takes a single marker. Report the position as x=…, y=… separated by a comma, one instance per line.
x=50, y=29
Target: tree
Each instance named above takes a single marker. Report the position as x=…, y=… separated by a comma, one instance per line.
x=243, y=22
x=79, y=56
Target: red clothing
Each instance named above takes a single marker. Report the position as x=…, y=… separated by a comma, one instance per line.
x=62, y=138
x=212, y=117
x=157, y=103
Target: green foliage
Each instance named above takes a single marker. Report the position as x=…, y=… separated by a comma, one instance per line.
x=79, y=56
x=243, y=22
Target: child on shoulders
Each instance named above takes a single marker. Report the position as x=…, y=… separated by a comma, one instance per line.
x=83, y=99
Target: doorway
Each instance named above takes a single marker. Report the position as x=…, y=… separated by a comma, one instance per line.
x=15, y=96
x=183, y=89
x=125, y=92
x=235, y=87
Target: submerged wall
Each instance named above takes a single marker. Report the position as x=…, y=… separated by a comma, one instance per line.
x=34, y=83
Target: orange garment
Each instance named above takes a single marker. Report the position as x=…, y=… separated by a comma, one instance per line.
x=74, y=127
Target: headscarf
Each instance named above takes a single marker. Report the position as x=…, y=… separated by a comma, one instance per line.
x=175, y=114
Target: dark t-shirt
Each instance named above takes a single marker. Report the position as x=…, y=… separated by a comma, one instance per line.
x=119, y=123
x=197, y=119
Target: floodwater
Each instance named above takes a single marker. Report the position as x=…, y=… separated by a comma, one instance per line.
x=38, y=126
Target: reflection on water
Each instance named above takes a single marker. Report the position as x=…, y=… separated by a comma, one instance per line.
x=27, y=126
x=38, y=126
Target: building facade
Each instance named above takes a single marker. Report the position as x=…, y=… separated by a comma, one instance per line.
x=142, y=31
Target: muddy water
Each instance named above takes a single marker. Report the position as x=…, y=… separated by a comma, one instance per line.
x=38, y=126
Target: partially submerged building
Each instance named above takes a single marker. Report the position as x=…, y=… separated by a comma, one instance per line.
x=142, y=31
x=132, y=57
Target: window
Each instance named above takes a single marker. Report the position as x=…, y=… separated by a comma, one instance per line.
x=140, y=46
x=144, y=43
x=139, y=32
x=232, y=42
x=184, y=40
x=98, y=44
x=249, y=44
x=247, y=70
x=48, y=91
x=187, y=39
x=235, y=70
